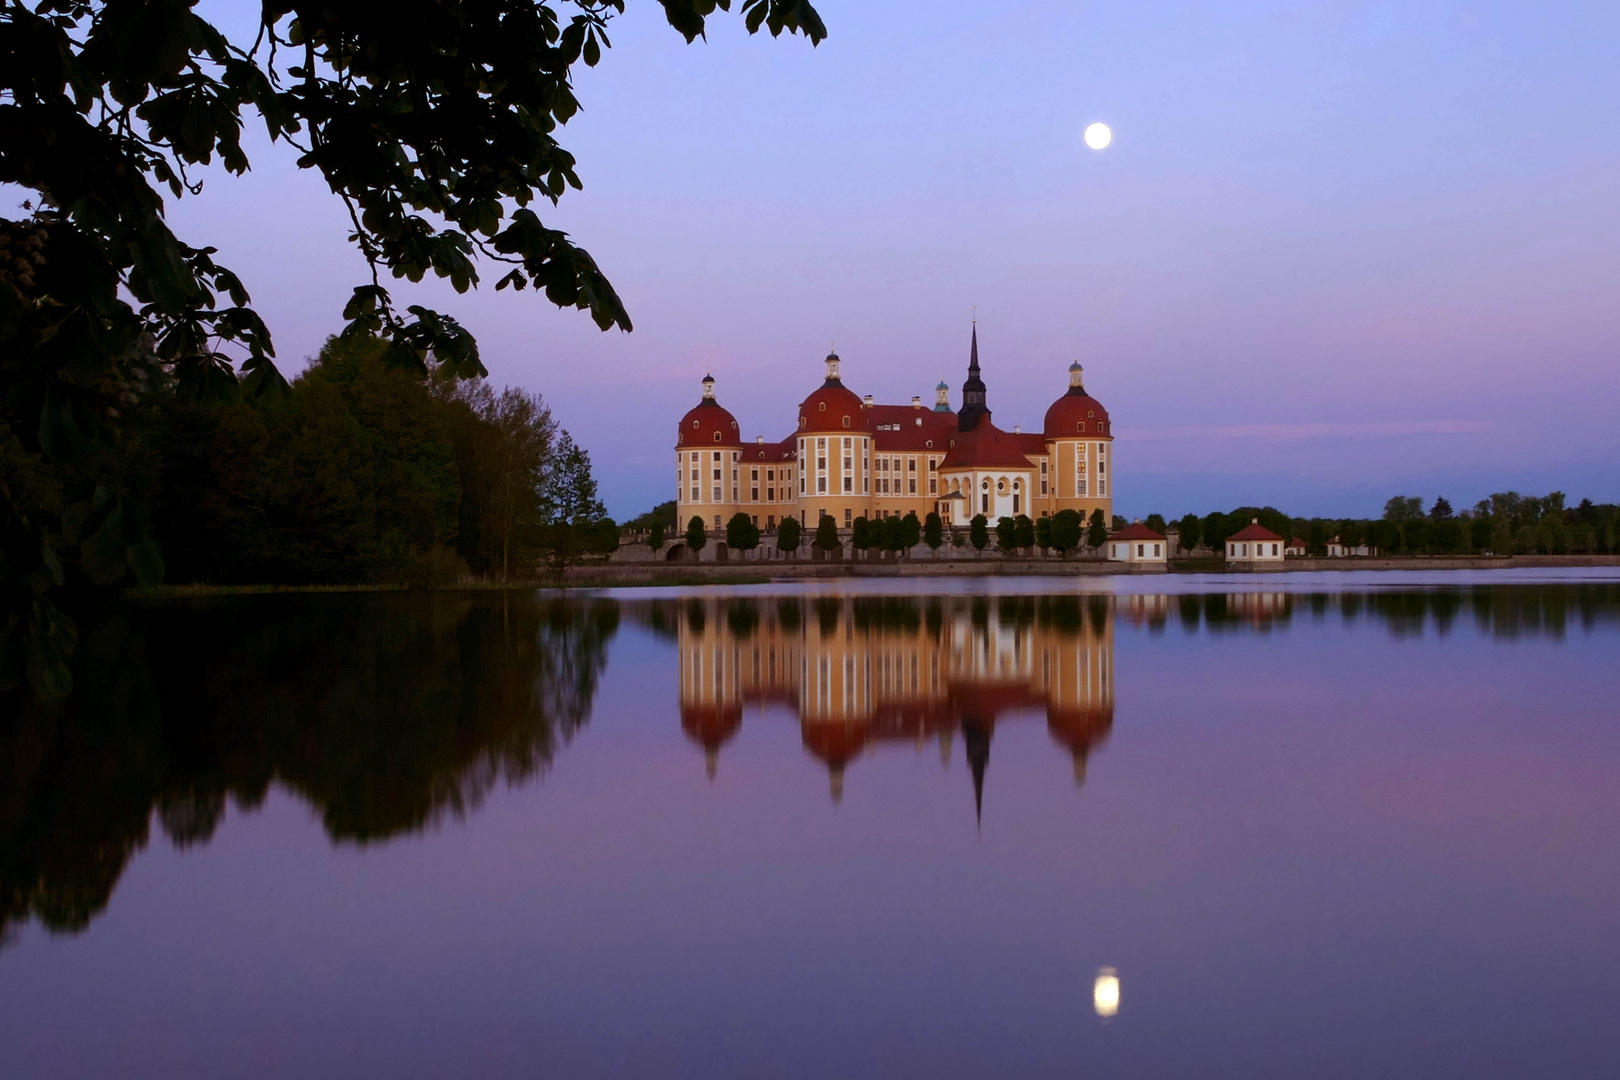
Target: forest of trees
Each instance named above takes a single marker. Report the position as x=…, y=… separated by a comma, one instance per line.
x=361, y=472
x=1505, y=524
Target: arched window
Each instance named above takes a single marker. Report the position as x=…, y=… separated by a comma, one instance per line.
x=823, y=406
x=846, y=421
x=717, y=436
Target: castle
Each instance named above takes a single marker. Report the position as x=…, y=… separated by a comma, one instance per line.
x=852, y=458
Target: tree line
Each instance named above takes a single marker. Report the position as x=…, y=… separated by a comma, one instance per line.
x=1504, y=524
x=1064, y=532
x=361, y=472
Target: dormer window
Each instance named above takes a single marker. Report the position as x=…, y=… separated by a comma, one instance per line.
x=717, y=436
x=823, y=406
x=1091, y=412
x=846, y=421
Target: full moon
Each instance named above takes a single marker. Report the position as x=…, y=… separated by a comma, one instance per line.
x=1098, y=136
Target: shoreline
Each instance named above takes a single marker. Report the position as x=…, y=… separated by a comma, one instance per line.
x=652, y=575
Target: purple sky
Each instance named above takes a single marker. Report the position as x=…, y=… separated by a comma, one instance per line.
x=1336, y=251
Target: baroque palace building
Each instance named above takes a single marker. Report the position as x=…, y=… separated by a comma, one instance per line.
x=850, y=457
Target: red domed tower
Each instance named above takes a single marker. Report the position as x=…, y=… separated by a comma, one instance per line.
x=1079, y=439
x=708, y=449
x=834, y=452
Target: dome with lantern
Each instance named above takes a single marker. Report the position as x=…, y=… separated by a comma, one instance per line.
x=708, y=423
x=832, y=406
x=1076, y=412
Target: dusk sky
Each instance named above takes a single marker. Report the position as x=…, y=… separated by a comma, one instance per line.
x=1336, y=252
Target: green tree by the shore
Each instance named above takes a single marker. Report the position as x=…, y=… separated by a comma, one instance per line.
x=1097, y=530
x=788, y=535
x=827, y=534
x=1067, y=526
x=696, y=534
x=742, y=533
x=979, y=532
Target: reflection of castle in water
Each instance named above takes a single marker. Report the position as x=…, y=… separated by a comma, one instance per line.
x=864, y=671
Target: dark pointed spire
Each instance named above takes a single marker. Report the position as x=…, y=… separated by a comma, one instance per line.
x=973, y=406
x=976, y=741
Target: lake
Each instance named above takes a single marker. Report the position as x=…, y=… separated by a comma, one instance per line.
x=1335, y=825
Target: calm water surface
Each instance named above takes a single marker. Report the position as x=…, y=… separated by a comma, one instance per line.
x=1336, y=825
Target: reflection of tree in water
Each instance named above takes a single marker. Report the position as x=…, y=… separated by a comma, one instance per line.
x=385, y=712
x=1504, y=611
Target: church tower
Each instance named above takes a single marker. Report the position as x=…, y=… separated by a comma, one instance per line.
x=973, y=406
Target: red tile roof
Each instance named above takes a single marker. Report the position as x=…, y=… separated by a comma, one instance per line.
x=1255, y=531
x=1136, y=531
x=986, y=446
x=702, y=423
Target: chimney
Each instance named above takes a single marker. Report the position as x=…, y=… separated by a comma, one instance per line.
x=1018, y=429
x=866, y=402
x=916, y=401
x=759, y=440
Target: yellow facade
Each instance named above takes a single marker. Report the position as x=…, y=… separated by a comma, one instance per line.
x=850, y=457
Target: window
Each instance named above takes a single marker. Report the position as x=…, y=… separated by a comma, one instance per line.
x=848, y=463
x=933, y=486
x=821, y=463
x=717, y=436
x=823, y=406
x=912, y=485
x=717, y=521
x=1102, y=488
x=770, y=522
x=1043, y=486
x=1043, y=468
x=846, y=517
x=985, y=504
x=770, y=474
x=849, y=483
x=770, y=494
x=753, y=494
x=1140, y=549
x=694, y=474
x=1015, y=504
x=716, y=494
x=753, y=474
x=911, y=464
x=717, y=474
x=821, y=484
x=694, y=495
x=846, y=443
x=846, y=421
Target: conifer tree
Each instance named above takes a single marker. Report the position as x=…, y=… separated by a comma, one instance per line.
x=788, y=535
x=1097, y=532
